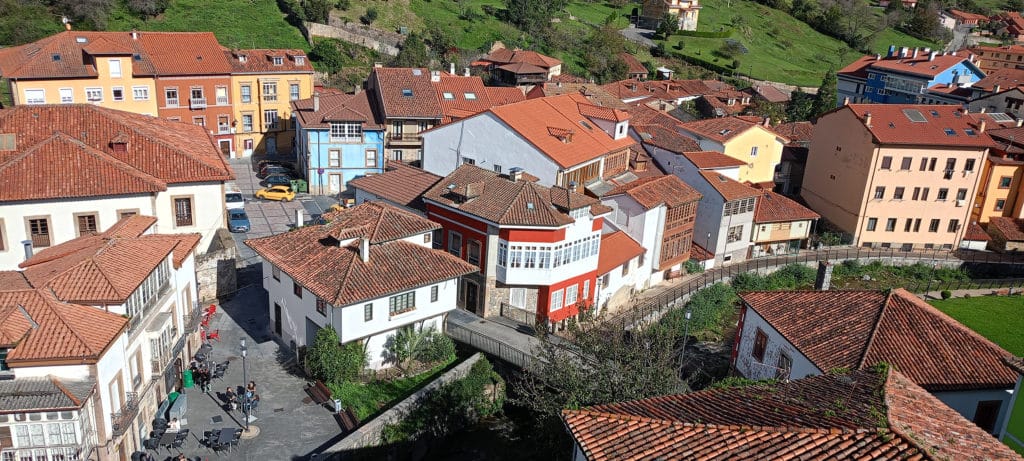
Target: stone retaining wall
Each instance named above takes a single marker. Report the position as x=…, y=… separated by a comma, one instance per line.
x=367, y=37
x=215, y=269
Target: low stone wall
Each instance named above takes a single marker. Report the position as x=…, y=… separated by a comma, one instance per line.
x=215, y=269
x=367, y=37
x=369, y=434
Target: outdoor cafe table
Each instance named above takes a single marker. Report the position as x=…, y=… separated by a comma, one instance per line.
x=227, y=435
x=167, y=439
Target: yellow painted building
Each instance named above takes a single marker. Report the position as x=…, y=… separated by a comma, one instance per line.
x=263, y=85
x=747, y=139
x=1000, y=191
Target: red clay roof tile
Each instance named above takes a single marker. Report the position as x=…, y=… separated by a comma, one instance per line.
x=665, y=138
x=337, y=107
x=261, y=61
x=61, y=331
x=617, y=248
x=1011, y=229
x=722, y=129
x=400, y=183
x=655, y=191
x=405, y=92
x=976, y=233
x=730, y=189
x=891, y=124
x=772, y=207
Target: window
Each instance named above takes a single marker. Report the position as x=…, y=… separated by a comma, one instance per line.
x=270, y=119
x=753, y=151
x=735, y=234
x=455, y=243
x=872, y=223
x=67, y=96
x=784, y=367
x=196, y=97
x=94, y=94
x=275, y=272
x=246, y=94
x=140, y=93
x=917, y=193
x=371, y=158
x=293, y=91
x=571, y=293
x=1004, y=182
x=247, y=123
x=404, y=302
x=1000, y=203
x=886, y=163
x=880, y=192
x=961, y=194
x=917, y=225
x=270, y=92
x=171, y=97
x=221, y=92
x=447, y=96
x=199, y=121
x=468, y=161
x=297, y=289
x=368, y=312
x=924, y=164
x=406, y=92
x=905, y=164
x=890, y=224
x=433, y=294
x=85, y=223
x=556, y=300
x=986, y=413
x=115, y=68
x=760, y=344
x=954, y=225
x=943, y=194
x=625, y=269
x=183, y=211
x=35, y=96
x=278, y=61
x=969, y=165
x=898, y=193
x=473, y=252
x=924, y=194
x=334, y=158
x=908, y=225
x=739, y=206
x=117, y=93
x=933, y=226
x=346, y=132
x=396, y=155
x=931, y=164
x=321, y=306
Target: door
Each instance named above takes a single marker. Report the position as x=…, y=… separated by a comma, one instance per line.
x=271, y=145
x=311, y=329
x=247, y=147
x=471, y=296
x=277, y=320
x=225, y=147
x=334, y=184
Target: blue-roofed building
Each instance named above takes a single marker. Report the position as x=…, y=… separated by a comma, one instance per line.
x=907, y=76
x=338, y=138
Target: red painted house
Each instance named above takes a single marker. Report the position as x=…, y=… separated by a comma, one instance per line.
x=536, y=247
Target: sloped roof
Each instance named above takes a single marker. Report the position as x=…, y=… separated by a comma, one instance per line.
x=643, y=115
x=400, y=183
x=730, y=189
x=772, y=207
x=712, y=160
x=634, y=65
x=337, y=107
x=316, y=258
x=722, y=129
x=655, y=191
x=61, y=331
x=405, y=92
x=261, y=61
x=976, y=233
x=1010, y=228
x=534, y=120
x=495, y=198
x=44, y=393
x=659, y=89
x=771, y=93
x=62, y=149
x=594, y=93
x=891, y=124
x=1004, y=78
x=462, y=96
x=501, y=95
x=921, y=65
x=866, y=327
x=796, y=132
x=868, y=414
x=665, y=138
x=617, y=248
x=507, y=56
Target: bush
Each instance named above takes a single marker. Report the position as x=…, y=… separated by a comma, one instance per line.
x=369, y=17
x=438, y=348
x=705, y=34
x=946, y=294
x=693, y=267
x=331, y=362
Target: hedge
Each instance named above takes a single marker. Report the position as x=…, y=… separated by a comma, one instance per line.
x=704, y=34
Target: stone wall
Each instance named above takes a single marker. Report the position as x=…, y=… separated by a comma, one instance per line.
x=375, y=39
x=215, y=269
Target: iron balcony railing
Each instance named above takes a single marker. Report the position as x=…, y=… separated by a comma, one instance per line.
x=197, y=103
x=121, y=420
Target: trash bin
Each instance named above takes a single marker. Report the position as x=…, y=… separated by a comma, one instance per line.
x=187, y=379
x=172, y=397
x=337, y=406
x=300, y=185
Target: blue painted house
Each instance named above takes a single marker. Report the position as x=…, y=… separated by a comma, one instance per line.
x=338, y=138
x=907, y=76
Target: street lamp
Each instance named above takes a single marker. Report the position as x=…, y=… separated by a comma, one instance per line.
x=245, y=379
x=686, y=337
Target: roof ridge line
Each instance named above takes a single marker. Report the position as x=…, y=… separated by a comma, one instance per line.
x=127, y=121
x=50, y=304
x=951, y=321
x=59, y=385
x=874, y=330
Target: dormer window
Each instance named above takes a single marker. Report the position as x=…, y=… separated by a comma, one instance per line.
x=242, y=58
x=278, y=60
x=300, y=60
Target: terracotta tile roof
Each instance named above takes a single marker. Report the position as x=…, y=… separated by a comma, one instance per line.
x=665, y=138
x=1005, y=78
x=62, y=331
x=920, y=66
x=507, y=56
x=184, y=53
x=617, y=248
x=976, y=233
x=730, y=189
x=722, y=129
x=132, y=226
x=772, y=207
x=891, y=124
x=700, y=253
x=405, y=92
x=522, y=68
x=643, y=115
x=400, y=183
x=495, y=198
x=857, y=69
x=261, y=61
x=533, y=119
x=331, y=268
x=1011, y=229
x=594, y=93
x=770, y=93
x=652, y=192
x=13, y=280
x=337, y=107
x=44, y=393
x=103, y=269
x=963, y=15
x=711, y=160
x=658, y=89
x=796, y=132
x=61, y=149
x=866, y=327
x=461, y=96
x=883, y=415
x=568, y=78
x=634, y=64
x=1016, y=363
x=501, y=95
x=602, y=113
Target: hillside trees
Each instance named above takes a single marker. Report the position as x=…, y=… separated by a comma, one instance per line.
x=532, y=15
x=825, y=100
x=601, y=55
x=23, y=22
x=413, y=52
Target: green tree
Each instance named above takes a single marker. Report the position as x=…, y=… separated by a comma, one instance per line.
x=826, y=98
x=413, y=52
x=601, y=55
x=331, y=362
x=762, y=108
x=1014, y=5
x=318, y=10
x=23, y=22
x=669, y=25
x=800, y=106
x=532, y=15
x=326, y=54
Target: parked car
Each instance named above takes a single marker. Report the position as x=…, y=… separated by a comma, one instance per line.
x=278, y=180
x=275, y=168
x=276, y=193
x=238, y=221
x=234, y=200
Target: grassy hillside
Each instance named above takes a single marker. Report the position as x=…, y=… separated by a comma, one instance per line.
x=236, y=23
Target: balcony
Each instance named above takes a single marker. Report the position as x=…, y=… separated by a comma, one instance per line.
x=121, y=420
x=404, y=138
x=223, y=129
x=192, y=319
x=143, y=316
x=197, y=103
x=222, y=101
x=270, y=98
x=172, y=102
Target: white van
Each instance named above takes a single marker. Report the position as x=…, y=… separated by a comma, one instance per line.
x=233, y=197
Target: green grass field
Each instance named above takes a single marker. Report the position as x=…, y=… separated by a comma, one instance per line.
x=369, y=399
x=1000, y=319
x=236, y=23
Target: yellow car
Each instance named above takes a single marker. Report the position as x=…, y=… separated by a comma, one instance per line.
x=276, y=193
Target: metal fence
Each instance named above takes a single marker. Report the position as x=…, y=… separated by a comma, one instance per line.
x=518, y=314
x=495, y=347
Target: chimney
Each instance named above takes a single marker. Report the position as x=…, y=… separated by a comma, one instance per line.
x=981, y=126
x=67, y=26
x=878, y=57
x=377, y=65
x=981, y=111
x=451, y=68
x=572, y=186
x=995, y=88
x=465, y=72
x=28, y=249
x=515, y=174
x=1020, y=121
x=316, y=102
x=915, y=52
x=767, y=122
x=364, y=249
x=846, y=101
x=904, y=52
x=299, y=220
x=135, y=34
x=867, y=119
x=931, y=56
x=435, y=76
x=824, y=279
x=357, y=89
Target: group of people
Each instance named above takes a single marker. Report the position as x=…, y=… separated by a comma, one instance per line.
x=249, y=401
x=201, y=375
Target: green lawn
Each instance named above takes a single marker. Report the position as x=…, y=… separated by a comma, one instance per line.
x=998, y=318
x=236, y=23
x=371, y=398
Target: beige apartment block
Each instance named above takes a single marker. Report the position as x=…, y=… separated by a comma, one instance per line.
x=894, y=175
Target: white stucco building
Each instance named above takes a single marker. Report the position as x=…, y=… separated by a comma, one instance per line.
x=368, y=272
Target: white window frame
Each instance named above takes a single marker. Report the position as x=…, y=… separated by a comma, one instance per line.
x=70, y=93
x=572, y=293
x=556, y=301
x=293, y=91
x=271, y=120
x=172, y=102
x=96, y=94
x=113, y=93
x=346, y=132
x=115, y=68
x=334, y=158
x=246, y=93
x=247, y=123
x=140, y=93
x=39, y=96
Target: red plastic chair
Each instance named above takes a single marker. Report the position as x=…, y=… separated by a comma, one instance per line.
x=211, y=310
x=215, y=334
x=205, y=323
